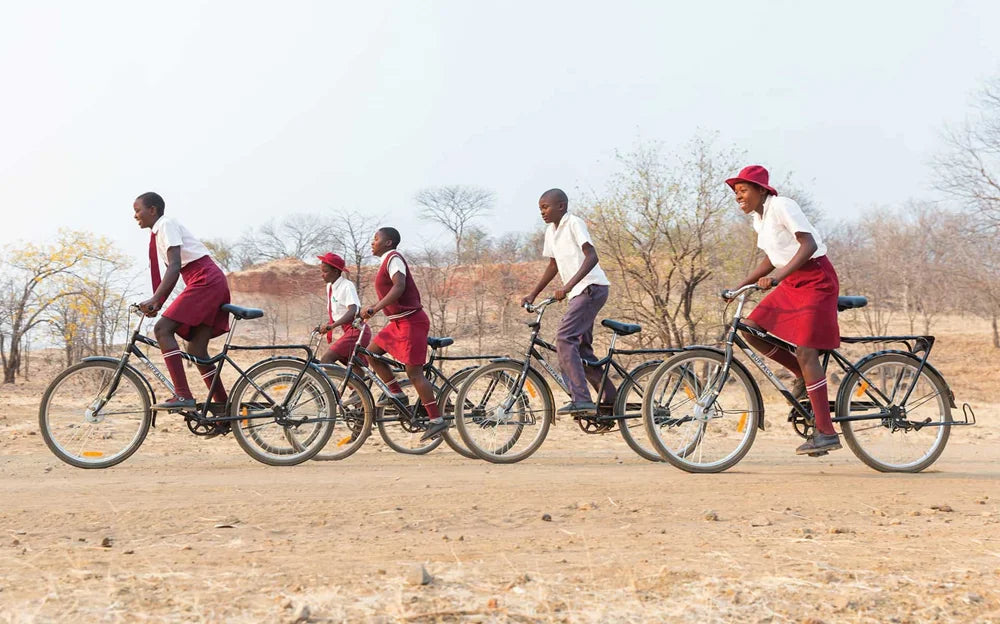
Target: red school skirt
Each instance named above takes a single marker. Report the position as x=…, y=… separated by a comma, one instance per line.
x=205, y=291
x=802, y=309
x=344, y=346
x=406, y=338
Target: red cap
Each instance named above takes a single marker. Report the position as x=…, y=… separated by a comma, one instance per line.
x=754, y=174
x=334, y=260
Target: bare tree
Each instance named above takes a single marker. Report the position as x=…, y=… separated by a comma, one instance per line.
x=356, y=231
x=294, y=236
x=454, y=208
x=224, y=252
x=970, y=168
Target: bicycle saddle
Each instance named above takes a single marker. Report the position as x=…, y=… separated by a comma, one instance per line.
x=622, y=329
x=847, y=303
x=439, y=343
x=242, y=313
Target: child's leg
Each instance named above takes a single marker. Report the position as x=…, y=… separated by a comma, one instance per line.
x=164, y=331
x=576, y=323
x=815, y=378
x=383, y=371
x=779, y=355
x=424, y=390
x=198, y=347
x=598, y=297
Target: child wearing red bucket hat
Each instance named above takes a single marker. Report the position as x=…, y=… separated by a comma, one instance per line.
x=342, y=306
x=803, y=308
x=195, y=314
x=405, y=336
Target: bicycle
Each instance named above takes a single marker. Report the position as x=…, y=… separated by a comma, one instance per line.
x=399, y=424
x=501, y=401
x=893, y=406
x=97, y=413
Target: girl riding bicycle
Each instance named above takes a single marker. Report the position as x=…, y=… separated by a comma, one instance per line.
x=803, y=308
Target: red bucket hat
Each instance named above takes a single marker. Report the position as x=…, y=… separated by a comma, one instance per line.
x=334, y=260
x=755, y=174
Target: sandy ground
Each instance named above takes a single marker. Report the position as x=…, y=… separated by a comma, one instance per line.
x=194, y=530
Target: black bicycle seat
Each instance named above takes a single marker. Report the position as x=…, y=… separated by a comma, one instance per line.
x=622, y=329
x=849, y=303
x=242, y=313
x=439, y=343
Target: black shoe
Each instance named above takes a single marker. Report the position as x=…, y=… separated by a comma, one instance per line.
x=575, y=407
x=819, y=444
x=434, y=430
x=174, y=403
x=386, y=399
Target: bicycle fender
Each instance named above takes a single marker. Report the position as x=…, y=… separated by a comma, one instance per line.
x=742, y=367
x=927, y=366
x=536, y=378
x=286, y=358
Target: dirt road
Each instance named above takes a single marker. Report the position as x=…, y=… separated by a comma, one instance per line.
x=194, y=530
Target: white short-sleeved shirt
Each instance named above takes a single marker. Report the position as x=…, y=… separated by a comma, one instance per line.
x=170, y=233
x=341, y=294
x=776, y=229
x=564, y=243
x=396, y=264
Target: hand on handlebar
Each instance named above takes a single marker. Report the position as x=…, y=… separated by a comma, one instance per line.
x=729, y=295
x=149, y=307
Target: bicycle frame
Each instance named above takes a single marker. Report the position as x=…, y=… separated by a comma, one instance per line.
x=914, y=344
x=396, y=367
x=607, y=363
x=131, y=349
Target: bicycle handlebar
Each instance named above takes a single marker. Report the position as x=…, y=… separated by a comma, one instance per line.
x=732, y=294
x=541, y=305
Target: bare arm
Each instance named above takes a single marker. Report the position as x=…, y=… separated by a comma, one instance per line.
x=762, y=269
x=347, y=319
x=550, y=271
x=807, y=247
x=170, y=276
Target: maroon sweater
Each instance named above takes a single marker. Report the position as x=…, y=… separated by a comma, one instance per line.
x=409, y=302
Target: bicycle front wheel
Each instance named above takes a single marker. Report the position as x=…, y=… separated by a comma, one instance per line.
x=91, y=418
x=446, y=403
x=628, y=409
x=498, y=421
x=686, y=434
x=890, y=436
x=310, y=411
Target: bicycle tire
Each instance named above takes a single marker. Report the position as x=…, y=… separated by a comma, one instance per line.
x=856, y=432
x=357, y=411
x=397, y=430
x=631, y=425
x=470, y=422
x=319, y=408
x=659, y=418
x=93, y=458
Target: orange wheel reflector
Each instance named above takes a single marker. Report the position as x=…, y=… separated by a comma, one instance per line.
x=244, y=412
x=346, y=440
x=861, y=389
x=245, y=422
x=280, y=388
x=531, y=389
x=741, y=426
x=93, y=454
x=689, y=392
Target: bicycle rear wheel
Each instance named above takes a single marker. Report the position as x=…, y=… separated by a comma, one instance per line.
x=499, y=422
x=905, y=438
x=311, y=410
x=693, y=438
x=84, y=427
x=356, y=410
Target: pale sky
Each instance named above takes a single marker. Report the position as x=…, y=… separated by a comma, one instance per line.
x=237, y=112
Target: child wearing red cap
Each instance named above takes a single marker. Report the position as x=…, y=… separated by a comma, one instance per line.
x=405, y=336
x=803, y=308
x=195, y=314
x=342, y=306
